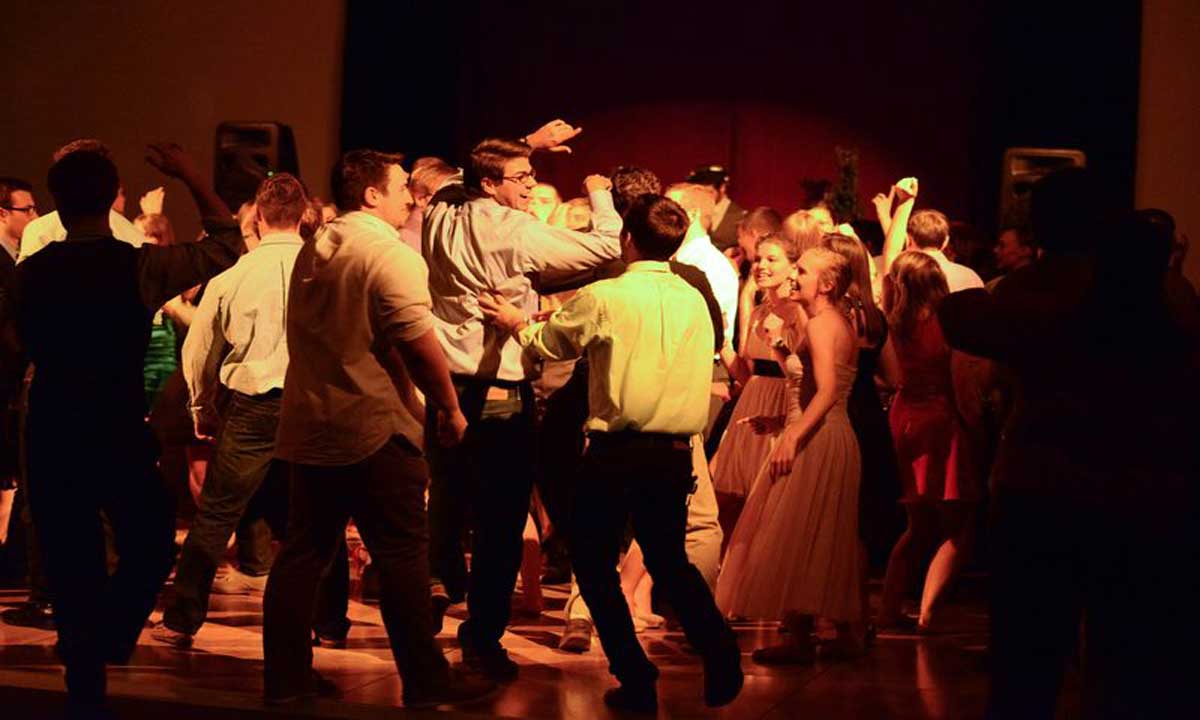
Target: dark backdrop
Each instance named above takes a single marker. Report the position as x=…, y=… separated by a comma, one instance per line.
x=932, y=89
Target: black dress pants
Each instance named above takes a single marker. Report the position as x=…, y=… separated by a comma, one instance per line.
x=82, y=463
x=488, y=477
x=385, y=494
x=647, y=478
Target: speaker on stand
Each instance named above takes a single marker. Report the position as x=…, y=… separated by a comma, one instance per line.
x=246, y=153
x=1022, y=168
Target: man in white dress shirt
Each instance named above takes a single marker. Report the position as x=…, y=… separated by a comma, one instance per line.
x=479, y=238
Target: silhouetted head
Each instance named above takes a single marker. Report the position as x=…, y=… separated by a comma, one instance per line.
x=655, y=226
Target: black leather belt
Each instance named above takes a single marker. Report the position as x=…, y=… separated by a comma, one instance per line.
x=629, y=439
x=766, y=368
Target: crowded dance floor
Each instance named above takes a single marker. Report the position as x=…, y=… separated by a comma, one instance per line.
x=666, y=404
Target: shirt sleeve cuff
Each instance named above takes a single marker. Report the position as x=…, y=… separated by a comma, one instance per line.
x=601, y=200
x=218, y=223
x=525, y=336
x=411, y=329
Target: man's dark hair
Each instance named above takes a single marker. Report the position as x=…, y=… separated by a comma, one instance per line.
x=83, y=184
x=89, y=145
x=488, y=159
x=629, y=183
x=10, y=185
x=281, y=200
x=929, y=229
x=1068, y=209
x=358, y=170
x=657, y=226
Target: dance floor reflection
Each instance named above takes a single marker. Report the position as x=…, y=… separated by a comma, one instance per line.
x=903, y=677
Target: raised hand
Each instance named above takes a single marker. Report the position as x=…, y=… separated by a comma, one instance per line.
x=906, y=189
x=883, y=203
x=170, y=159
x=552, y=135
x=592, y=183
x=152, y=202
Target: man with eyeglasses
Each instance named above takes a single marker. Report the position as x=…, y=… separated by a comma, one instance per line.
x=17, y=209
x=477, y=237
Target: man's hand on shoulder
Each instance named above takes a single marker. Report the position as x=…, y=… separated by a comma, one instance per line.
x=552, y=136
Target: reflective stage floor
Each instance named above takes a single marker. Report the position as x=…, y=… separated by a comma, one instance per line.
x=221, y=676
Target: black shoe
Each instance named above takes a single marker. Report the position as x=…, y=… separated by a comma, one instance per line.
x=440, y=600
x=328, y=641
x=30, y=614
x=460, y=688
x=557, y=575
x=635, y=700
x=318, y=686
x=492, y=662
x=723, y=679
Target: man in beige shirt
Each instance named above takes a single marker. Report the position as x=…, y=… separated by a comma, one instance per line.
x=649, y=343
x=359, y=334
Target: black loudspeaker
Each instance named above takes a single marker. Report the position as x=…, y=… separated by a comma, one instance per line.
x=1022, y=168
x=247, y=153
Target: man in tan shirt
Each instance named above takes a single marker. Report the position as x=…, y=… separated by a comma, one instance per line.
x=359, y=334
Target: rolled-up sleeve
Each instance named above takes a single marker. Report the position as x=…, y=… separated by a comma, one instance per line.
x=569, y=330
x=400, y=301
x=542, y=247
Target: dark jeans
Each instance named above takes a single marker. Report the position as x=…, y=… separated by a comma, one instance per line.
x=1124, y=572
x=385, y=495
x=489, y=475
x=233, y=497
x=79, y=465
x=631, y=475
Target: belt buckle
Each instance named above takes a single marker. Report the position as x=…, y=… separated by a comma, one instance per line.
x=496, y=393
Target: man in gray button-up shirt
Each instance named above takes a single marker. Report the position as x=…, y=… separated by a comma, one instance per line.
x=478, y=237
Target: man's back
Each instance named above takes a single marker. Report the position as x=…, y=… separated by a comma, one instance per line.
x=355, y=289
x=477, y=245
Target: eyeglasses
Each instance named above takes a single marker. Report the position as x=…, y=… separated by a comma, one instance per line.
x=522, y=177
x=27, y=208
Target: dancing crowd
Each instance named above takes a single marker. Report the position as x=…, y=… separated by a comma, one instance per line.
x=691, y=412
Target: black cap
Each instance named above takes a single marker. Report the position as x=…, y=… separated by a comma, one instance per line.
x=712, y=175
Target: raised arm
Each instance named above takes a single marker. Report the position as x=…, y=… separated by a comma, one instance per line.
x=897, y=232
x=546, y=248
x=165, y=272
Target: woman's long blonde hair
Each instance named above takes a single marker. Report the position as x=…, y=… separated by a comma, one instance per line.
x=915, y=287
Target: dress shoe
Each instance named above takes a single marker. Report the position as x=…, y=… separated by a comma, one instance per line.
x=174, y=638
x=30, y=614
x=634, y=700
x=492, y=662
x=318, y=686
x=460, y=688
x=723, y=678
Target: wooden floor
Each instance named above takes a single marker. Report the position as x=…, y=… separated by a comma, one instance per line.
x=903, y=677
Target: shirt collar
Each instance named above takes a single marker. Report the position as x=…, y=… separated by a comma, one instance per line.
x=281, y=238
x=697, y=240
x=659, y=266
x=937, y=255
x=365, y=218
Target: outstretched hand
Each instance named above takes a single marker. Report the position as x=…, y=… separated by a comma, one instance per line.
x=170, y=159
x=764, y=424
x=552, y=135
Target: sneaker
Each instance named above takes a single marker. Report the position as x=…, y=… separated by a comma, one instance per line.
x=239, y=583
x=577, y=637
x=633, y=700
x=318, y=686
x=492, y=662
x=460, y=688
x=174, y=638
x=30, y=614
